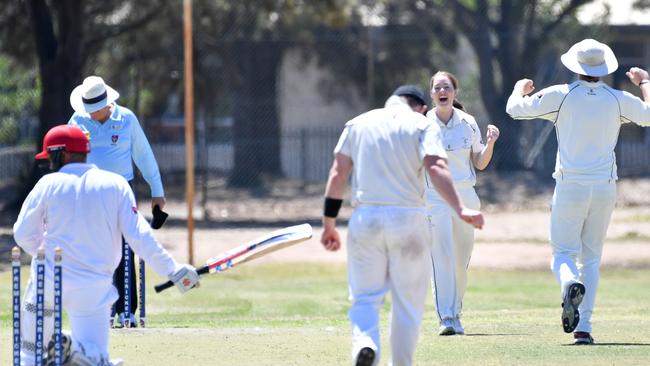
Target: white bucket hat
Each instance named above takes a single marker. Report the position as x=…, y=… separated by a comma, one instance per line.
x=590, y=57
x=92, y=95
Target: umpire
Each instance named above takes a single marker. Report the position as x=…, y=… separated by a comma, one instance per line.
x=386, y=151
x=117, y=142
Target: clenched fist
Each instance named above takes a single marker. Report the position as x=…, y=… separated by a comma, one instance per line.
x=637, y=75
x=492, y=134
x=524, y=87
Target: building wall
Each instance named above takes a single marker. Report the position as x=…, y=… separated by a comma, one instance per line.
x=310, y=121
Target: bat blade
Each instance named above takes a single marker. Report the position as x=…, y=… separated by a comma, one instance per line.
x=262, y=246
x=259, y=247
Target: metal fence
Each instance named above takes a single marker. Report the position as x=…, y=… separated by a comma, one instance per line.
x=15, y=162
x=277, y=106
x=307, y=154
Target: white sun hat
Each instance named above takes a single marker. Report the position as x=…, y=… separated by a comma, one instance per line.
x=92, y=95
x=590, y=57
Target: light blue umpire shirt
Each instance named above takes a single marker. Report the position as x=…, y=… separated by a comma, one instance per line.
x=118, y=142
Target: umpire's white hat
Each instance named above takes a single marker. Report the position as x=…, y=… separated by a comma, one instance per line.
x=590, y=57
x=92, y=95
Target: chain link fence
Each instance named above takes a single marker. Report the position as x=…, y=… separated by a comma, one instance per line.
x=270, y=110
x=19, y=100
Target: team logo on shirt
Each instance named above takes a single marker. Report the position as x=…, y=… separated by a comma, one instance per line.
x=114, y=139
x=134, y=209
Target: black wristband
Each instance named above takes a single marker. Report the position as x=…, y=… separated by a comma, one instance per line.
x=331, y=207
x=644, y=82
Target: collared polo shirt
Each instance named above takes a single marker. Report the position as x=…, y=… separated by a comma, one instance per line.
x=119, y=142
x=461, y=137
x=587, y=118
x=387, y=147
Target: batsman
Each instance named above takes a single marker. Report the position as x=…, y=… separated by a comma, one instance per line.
x=85, y=211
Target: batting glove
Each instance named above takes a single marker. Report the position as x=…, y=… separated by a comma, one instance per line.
x=185, y=278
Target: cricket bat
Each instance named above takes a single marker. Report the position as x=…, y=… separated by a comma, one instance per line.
x=259, y=247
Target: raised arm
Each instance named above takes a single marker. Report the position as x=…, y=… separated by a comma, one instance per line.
x=545, y=104
x=640, y=78
x=633, y=109
x=482, y=158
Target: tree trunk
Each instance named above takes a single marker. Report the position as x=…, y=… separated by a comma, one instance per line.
x=59, y=58
x=60, y=62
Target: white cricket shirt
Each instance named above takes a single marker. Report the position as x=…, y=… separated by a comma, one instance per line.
x=387, y=146
x=461, y=137
x=587, y=118
x=85, y=211
x=119, y=142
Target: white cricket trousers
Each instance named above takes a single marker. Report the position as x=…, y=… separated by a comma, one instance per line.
x=452, y=243
x=88, y=311
x=388, y=249
x=580, y=215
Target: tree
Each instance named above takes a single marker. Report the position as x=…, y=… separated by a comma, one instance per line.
x=64, y=33
x=508, y=37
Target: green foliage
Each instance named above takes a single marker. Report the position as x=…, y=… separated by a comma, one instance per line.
x=19, y=99
x=8, y=131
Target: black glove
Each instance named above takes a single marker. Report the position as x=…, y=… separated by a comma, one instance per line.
x=159, y=217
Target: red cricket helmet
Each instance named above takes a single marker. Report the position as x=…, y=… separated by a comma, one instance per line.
x=70, y=138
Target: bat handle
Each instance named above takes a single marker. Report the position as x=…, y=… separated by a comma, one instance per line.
x=164, y=286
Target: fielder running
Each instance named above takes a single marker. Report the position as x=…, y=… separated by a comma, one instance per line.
x=453, y=239
x=85, y=211
x=387, y=151
x=118, y=141
x=587, y=115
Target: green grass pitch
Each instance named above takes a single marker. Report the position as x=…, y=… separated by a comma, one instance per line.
x=296, y=314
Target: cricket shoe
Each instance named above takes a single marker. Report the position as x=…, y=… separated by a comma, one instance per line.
x=66, y=349
x=120, y=323
x=458, y=326
x=365, y=357
x=446, y=327
x=572, y=299
x=79, y=358
x=581, y=338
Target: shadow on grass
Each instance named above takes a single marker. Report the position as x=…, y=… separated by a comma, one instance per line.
x=495, y=334
x=609, y=344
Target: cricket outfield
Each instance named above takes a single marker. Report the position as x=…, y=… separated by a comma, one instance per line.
x=290, y=307
x=295, y=314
